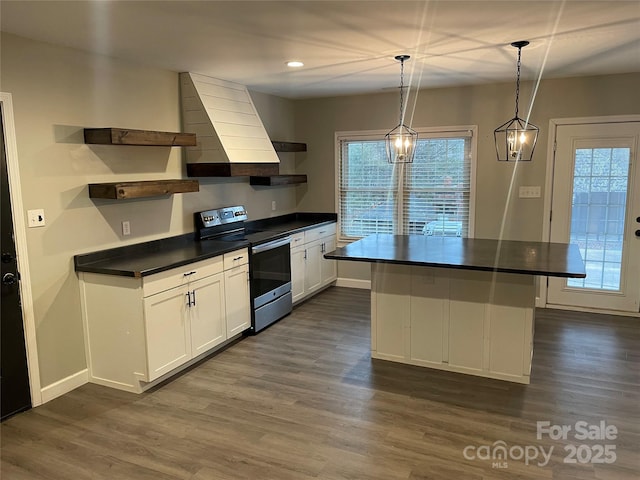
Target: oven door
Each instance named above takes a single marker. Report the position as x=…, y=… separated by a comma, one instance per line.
x=270, y=271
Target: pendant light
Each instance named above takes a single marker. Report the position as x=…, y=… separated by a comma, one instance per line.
x=401, y=141
x=516, y=139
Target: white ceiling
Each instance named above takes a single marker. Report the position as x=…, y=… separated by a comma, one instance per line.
x=347, y=46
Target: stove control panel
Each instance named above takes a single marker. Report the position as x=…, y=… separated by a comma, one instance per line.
x=221, y=216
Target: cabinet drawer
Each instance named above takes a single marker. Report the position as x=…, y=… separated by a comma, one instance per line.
x=297, y=239
x=236, y=258
x=181, y=276
x=319, y=232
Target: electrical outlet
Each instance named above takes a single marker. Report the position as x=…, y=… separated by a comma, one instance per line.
x=529, y=191
x=36, y=218
x=126, y=228
x=273, y=205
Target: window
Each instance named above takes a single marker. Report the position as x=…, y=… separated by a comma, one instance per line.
x=431, y=196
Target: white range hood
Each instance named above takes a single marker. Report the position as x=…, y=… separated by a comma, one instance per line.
x=232, y=140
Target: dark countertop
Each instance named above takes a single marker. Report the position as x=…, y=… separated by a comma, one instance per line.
x=532, y=258
x=294, y=222
x=147, y=258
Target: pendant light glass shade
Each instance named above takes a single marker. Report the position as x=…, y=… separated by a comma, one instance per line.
x=402, y=140
x=516, y=139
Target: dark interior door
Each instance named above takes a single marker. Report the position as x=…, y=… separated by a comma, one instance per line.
x=15, y=395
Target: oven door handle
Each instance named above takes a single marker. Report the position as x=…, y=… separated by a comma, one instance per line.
x=271, y=245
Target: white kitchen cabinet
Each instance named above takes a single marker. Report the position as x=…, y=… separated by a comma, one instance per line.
x=183, y=322
x=237, y=298
x=313, y=266
x=207, y=313
x=328, y=268
x=167, y=332
x=310, y=271
x=298, y=272
x=237, y=301
x=138, y=330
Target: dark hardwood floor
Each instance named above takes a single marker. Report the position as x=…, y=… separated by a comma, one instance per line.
x=303, y=400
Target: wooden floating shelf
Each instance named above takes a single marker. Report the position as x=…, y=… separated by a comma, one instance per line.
x=231, y=169
x=149, y=188
x=289, y=146
x=274, y=180
x=125, y=136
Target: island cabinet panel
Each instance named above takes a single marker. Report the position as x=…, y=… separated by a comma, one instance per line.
x=390, y=317
x=478, y=323
x=429, y=317
x=466, y=334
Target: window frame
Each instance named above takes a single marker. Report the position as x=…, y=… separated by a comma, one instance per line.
x=470, y=131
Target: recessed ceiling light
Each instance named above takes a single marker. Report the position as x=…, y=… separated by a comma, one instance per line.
x=295, y=64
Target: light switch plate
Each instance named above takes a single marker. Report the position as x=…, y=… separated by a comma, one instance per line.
x=36, y=218
x=530, y=191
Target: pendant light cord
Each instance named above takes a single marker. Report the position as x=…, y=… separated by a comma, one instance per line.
x=401, y=88
x=518, y=80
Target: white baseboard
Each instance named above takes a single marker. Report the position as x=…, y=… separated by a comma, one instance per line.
x=593, y=310
x=65, y=385
x=353, y=283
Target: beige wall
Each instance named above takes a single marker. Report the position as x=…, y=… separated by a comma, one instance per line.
x=486, y=106
x=56, y=93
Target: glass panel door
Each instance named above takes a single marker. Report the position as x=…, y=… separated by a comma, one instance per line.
x=596, y=205
x=598, y=211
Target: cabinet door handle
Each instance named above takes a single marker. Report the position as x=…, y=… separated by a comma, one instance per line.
x=188, y=295
x=305, y=253
x=194, y=297
x=322, y=249
x=188, y=273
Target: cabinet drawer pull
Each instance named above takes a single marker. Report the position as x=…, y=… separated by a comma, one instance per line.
x=188, y=273
x=238, y=258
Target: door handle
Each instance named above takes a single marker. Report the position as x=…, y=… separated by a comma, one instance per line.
x=8, y=279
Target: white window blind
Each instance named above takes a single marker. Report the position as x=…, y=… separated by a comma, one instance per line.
x=431, y=196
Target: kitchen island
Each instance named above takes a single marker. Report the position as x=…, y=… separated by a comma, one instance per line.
x=459, y=304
